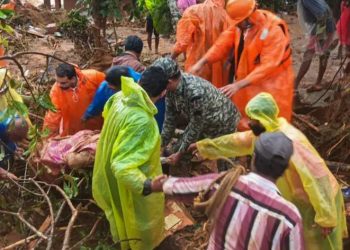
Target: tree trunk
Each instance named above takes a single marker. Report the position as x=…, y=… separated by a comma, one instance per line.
x=58, y=5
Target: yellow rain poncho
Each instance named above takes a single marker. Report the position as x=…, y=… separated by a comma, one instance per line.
x=307, y=182
x=7, y=95
x=128, y=153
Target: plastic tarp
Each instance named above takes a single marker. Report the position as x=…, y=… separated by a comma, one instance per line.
x=128, y=153
x=197, y=30
x=307, y=182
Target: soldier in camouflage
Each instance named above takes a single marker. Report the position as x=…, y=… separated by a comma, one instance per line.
x=207, y=111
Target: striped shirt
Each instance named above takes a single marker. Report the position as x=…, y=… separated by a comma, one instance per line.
x=254, y=216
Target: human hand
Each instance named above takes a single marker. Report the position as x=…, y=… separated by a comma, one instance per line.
x=230, y=90
x=197, y=68
x=325, y=231
x=174, y=158
x=192, y=148
x=7, y=175
x=157, y=183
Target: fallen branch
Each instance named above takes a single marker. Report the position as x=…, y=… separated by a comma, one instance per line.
x=30, y=226
x=20, y=242
x=92, y=231
x=309, y=124
x=336, y=166
x=49, y=243
x=75, y=213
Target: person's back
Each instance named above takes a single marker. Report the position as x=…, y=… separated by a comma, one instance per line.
x=197, y=30
x=255, y=216
x=131, y=56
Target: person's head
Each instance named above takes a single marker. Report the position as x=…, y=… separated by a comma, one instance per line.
x=134, y=44
x=17, y=129
x=113, y=76
x=172, y=71
x=66, y=77
x=240, y=10
x=262, y=111
x=271, y=156
x=154, y=81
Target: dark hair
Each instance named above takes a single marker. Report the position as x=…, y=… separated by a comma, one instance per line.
x=134, y=43
x=114, y=74
x=66, y=70
x=154, y=81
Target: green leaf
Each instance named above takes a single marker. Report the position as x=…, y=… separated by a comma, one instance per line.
x=70, y=186
x=7, y=28
x=20, y=107
x=45, y=102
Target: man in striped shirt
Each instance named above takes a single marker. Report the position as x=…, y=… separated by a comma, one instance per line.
x=253, y=214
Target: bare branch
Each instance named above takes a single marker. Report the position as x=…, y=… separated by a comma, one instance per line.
x=75, y=213
x=20, y=242
x=30, y=226
x=92, y=231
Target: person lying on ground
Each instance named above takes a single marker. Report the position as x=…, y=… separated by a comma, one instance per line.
x=206, y=111
x=247, y=211
x=317, y=20
x=131, y=57
x=112, y=85
x=71, y=95
x=197, y=30
x=260, y=44
x=307, y=182
x=13, y=129
x=127, y=156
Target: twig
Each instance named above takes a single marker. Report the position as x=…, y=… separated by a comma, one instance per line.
x=30, y=226
x=309, y=124
x=49, y=243
x=20, y=242
x=338, y=166
x=335, y=145
x=75, y=213
x=92, y=231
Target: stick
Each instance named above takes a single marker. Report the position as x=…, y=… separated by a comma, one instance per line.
x=49, y=243
x=30, y=226
x=75, y=213
x=338, y=166
x=92, y=231
x=309, y=124
x=20, y=242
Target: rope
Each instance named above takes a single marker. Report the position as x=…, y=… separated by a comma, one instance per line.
x=214, y=204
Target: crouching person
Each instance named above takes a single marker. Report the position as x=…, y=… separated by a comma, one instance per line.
x=127, y=158
x=246, y=212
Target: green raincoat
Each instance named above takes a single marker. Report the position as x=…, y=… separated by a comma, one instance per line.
x=128, y=153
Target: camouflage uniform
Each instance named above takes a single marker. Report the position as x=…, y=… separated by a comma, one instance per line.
x=174, y=12
x=208, y=112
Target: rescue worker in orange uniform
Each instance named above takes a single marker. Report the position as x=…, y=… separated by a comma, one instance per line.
x=262, y=57
x=71, y=95
x=9, y=6
x=197, y=30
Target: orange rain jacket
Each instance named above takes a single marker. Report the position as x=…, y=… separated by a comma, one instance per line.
x=9, y=6
x=196, y=32
x=71, y=104
x=265, y=61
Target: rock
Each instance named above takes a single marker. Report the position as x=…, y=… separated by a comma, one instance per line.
x=51, y=28
x=58, y=34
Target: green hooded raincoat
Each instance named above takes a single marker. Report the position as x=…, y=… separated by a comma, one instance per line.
x=128, y=153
